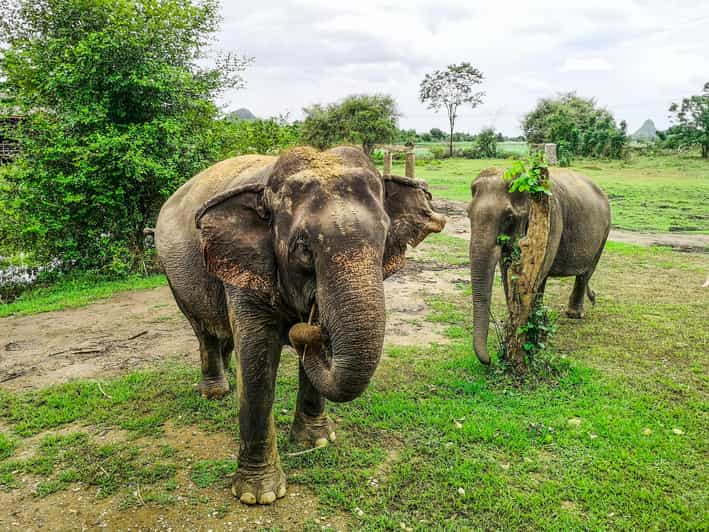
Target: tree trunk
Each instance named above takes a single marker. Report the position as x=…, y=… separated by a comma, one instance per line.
x=450, y=144
x=523, y=280
x=705, y=151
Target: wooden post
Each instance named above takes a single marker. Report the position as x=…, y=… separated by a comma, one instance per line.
x=524, y=279
x=387, y=162
x=550, y=154
x=410, y=163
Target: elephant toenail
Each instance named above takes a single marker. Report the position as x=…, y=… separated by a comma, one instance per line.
x=321, y=442
x=267, y=498
x=333, y=437
x=248, y=498
x=281, y=491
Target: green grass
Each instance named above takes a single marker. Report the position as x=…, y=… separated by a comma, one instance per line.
x=646, y=194
x=75, y=291
x=616, y=439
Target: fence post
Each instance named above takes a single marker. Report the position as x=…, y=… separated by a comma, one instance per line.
x=410, y=163
x=387, y=162
x=550, y=154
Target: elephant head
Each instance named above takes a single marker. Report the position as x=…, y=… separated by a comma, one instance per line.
x=320, y=228
x=493, y=211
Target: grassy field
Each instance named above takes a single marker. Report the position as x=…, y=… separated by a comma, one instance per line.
x=614, y=438
x=75, y=291
x=647, y=194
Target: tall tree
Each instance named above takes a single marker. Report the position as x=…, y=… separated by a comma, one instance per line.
x=577, y=125
x=362, y=119
x=450, y=89
x=691, y=122
x=119, y=113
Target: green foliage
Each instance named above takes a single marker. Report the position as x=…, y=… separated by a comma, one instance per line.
x=360, y=119
x=532, y=177
x=575, y=123
x=269, y=136
x=449, y=89
x=540, y=326
x=692, y=123
x=486, y=143
x=117, y=113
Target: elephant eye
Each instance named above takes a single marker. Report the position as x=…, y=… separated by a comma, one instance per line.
x=301, y=253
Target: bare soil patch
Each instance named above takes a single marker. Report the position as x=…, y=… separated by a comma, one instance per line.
x=143, y=328
x=190, y=508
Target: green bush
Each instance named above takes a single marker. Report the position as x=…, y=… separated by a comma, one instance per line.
x=576, y=123
x=117, y=116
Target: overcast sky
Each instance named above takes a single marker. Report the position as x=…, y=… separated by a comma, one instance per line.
x=634, y=57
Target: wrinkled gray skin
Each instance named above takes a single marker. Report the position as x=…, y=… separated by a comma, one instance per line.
x=580, y=222
x=250, y=244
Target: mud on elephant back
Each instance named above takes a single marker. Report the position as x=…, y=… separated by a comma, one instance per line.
x=579, y=221
x=255, y=245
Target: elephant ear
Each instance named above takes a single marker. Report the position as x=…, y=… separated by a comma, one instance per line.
x=235, y=239
x=408, y=204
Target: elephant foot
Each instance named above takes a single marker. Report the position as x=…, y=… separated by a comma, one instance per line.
x=213, y=388
x=262, y=484
x=312, y=431
x=575, y=313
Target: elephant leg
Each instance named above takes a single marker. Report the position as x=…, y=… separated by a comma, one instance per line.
x=214, y=383
x=575, y=309
x=227, y=349
x=259, y=477
x=311, y=425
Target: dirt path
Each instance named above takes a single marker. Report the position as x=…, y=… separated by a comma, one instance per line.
x=142, y=328
x=458, y=225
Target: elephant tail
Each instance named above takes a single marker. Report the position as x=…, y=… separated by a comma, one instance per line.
x=591, y=294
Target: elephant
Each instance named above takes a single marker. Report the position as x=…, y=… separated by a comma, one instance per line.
x=579, y=226
x=255, y=244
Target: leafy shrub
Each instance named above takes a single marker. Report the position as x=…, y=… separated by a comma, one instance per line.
x=584, y=129
x=118, y=114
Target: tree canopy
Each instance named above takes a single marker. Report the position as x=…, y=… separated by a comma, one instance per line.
x=361, y=119
x=450, y=89
x=119, y=112
x=576, y=125
x=691, y=122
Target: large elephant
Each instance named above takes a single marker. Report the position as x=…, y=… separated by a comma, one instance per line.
x=253, y=246
x=579, y=226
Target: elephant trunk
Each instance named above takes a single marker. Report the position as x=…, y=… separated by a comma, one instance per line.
x=482, y=272
x=352, y=317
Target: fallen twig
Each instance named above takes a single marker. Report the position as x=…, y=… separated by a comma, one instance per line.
x=140, y=497
x=100, y=389
x=305, y=452
x=11, y=376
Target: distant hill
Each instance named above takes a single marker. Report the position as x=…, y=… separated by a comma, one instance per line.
x=647, y=131
x=243, y=114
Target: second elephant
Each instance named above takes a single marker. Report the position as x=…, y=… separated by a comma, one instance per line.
x=579, y=226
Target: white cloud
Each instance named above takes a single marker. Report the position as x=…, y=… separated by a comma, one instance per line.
x=585, y=64
x=633, y=56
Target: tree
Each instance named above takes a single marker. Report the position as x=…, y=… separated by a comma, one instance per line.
x=362, y=119
x=437, y=134
x=576, y=125
x=118, y=115
x=486, y=143
x=691, y=119
x=450, y=89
